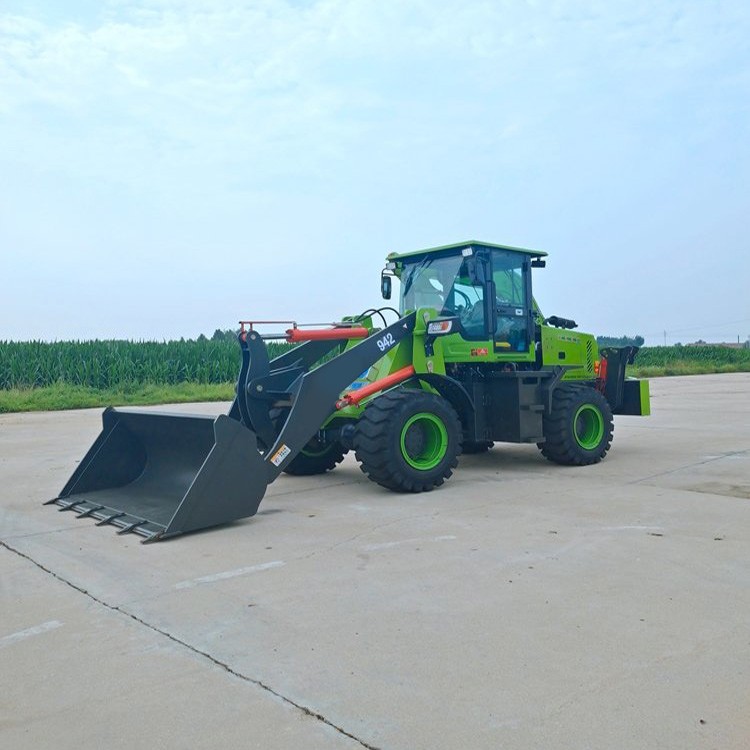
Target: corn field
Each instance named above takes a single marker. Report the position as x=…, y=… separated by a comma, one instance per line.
x=663, y=356
x=112, y=364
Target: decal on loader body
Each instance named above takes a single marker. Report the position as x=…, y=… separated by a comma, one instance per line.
x=280, y=455
x=386, y=342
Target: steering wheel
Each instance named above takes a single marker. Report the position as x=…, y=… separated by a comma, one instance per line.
x=465, y=297
x=465, y=313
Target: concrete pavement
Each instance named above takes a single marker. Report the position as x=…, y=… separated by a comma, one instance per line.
x=522, y=605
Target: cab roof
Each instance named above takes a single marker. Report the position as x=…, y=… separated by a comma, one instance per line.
x=473, y=244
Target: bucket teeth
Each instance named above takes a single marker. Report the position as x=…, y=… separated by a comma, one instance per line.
x=130, y=527
x=68, y=505
x=89, y=511
x=160, y=475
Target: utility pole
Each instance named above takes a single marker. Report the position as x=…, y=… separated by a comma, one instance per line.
x=665, y=338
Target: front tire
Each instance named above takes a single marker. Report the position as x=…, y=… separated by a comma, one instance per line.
x=316, y=457
x=579, y=429
x=408, y=440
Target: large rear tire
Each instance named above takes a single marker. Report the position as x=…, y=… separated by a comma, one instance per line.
x=579, y=429
x=408, y=440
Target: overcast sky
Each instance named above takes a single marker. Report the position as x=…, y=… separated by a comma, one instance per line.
x=171, y=166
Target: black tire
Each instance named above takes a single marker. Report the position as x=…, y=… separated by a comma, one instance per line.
x=579, y=429
x=315, y=457
x=477, y=446
x=408, y=440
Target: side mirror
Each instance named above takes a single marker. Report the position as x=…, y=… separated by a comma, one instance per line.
x=385, y=286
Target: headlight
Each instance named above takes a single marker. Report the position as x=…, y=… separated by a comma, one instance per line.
x=438, y=327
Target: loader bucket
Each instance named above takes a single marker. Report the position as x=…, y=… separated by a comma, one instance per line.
x=160, y=475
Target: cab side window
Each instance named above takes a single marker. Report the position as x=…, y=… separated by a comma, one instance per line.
x=511, y=331
x=510, y=287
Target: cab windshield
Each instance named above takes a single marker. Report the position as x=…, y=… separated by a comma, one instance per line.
x=427, y=283
x=444, y=283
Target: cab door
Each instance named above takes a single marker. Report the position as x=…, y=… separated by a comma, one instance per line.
x=511, y=276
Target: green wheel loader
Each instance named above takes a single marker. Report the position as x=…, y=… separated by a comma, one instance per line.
x=468, y=361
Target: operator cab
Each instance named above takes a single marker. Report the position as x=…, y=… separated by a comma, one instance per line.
x=486, y=287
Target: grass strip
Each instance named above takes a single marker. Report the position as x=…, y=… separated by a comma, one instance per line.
x=679, y=367
x=64, y=396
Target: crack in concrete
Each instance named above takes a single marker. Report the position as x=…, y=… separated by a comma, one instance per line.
x=194, y=649
x=729, y=454
x=59, y=530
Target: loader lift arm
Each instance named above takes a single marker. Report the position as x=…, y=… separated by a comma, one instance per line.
x=313, y=393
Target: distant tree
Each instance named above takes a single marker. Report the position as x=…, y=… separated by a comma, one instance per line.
x=225, y=335
x=202, y=338
x=620, y=340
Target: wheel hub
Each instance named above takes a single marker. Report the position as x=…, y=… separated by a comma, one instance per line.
x=414, y=440
x=424, y=441
x=588, y=427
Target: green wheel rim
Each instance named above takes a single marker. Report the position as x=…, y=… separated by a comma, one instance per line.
x=588, y=427
x=424, y=441
x=314, y=449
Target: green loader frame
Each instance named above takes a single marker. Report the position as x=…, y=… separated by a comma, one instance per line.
x=469, y=361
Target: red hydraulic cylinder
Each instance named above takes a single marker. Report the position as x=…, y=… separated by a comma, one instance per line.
x=354, y=397
x=295, y=335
